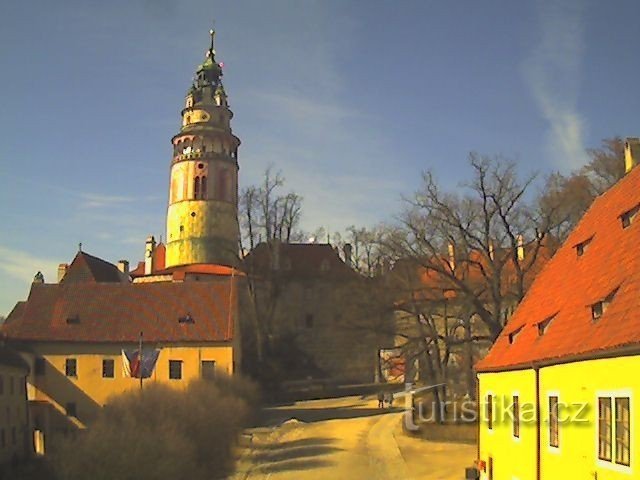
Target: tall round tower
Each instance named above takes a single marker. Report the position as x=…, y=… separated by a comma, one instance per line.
x=202, y=218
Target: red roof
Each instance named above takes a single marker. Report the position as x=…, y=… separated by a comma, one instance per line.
x=87, y=268
x=570, y=284
x=118, y=312
x=159, y=255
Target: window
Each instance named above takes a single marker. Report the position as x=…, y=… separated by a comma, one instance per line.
x=186, y=319
x=623, y=431
x=543, y=326
x=71, y=367
x=175, y=369
x=12, y=385
x=490, y=469
x=71, y=409
x=554, y=438
x=39, y=366
x=598, y=308
x=628, y=217
x=3, y=440
x=208, y=369
x=516, y=416
x=108, y=368
x=490, y=412
x=604, y=428
x=73, y=320
x=1, y=385
x=203, y=187
x=13, y=435
x=513, y=335
x=196, y=188
x=581, y=247
x=308, y=321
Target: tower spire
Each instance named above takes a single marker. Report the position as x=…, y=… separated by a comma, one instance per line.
x=211, y=52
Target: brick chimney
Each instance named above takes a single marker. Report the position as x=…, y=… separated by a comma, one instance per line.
x=452, y=256
x=520, y=248
x=62, y=271
x=631, y=153
x=150, y=247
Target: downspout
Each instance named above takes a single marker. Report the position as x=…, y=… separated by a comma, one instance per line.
x=478, y=402
x=536, y=369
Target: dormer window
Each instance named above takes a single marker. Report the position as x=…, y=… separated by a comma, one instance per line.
x=513, y=335
x=186, y=319
x=73, y=320
x=543, y=326
x=581, y=247
x=628, y=217
x=598, y=308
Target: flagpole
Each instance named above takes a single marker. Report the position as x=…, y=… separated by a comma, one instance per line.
x=140, y=360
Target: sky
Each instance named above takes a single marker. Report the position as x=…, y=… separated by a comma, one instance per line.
x=351, y=100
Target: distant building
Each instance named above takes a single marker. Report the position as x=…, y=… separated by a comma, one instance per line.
x=15, y=435
x=559, y=390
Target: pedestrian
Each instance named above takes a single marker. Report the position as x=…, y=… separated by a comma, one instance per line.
x=380, y=399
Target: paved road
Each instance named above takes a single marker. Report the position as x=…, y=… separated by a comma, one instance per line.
x=345, y=439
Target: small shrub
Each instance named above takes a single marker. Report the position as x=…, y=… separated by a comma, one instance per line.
x=162, y=432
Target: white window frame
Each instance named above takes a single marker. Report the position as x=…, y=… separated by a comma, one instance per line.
x=612, y=465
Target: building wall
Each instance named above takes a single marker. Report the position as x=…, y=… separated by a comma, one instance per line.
x=513, y=458
x=577, y=386
x=51, y=393
x=15, y=439
x=209, y=234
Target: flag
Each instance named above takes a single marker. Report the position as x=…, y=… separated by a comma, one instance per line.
x=134, y=367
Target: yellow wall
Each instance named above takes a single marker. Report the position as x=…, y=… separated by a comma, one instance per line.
x=89, y=390
x=578, y=386
x=513, y=458
x=14, y=423
x=583, y=383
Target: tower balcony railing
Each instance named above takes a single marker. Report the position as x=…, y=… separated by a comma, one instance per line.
x=208, y=155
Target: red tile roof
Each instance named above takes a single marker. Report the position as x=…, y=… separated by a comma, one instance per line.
x=117, y=312
x=570, y=284
x=87, y=268
x=159, y=255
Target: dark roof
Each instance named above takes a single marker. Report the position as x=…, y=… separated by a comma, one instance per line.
x=11, y=358
x=562, y=296
x=87, y=268
x=297, y=259
x=118, y=312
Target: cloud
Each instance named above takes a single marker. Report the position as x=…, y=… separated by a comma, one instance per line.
x=552, y=72
x=22, y=265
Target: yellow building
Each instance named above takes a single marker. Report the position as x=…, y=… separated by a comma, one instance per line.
x=559, y=393
x=15, y=439
x=72, y=335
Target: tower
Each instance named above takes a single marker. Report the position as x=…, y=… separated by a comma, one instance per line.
x=202, y=218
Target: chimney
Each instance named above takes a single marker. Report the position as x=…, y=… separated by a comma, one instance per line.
x=348, y=252
x=123, y=266
x=62, y=271
x=452, y=256
x=631, y=153
x=520, y=248
x=491, y=250
x=150, y=247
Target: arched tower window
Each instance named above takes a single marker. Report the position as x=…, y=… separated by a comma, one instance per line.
x=196, y=188
x=203, y=187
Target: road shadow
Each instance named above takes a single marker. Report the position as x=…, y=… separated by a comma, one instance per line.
x=294, y=455
x=274, y=416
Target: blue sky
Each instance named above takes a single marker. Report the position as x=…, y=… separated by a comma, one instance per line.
x=350, y=99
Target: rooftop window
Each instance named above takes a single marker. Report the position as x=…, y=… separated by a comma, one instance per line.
x=598, y=308
x=543, y=326
x=186, y=319
x=628, y=217
x=75, y=319
x=513, y=335
x=582, y=246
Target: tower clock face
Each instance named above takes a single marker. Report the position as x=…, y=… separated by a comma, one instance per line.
x=195, y=116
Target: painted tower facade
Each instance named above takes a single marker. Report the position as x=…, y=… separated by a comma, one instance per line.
x=202, y=218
